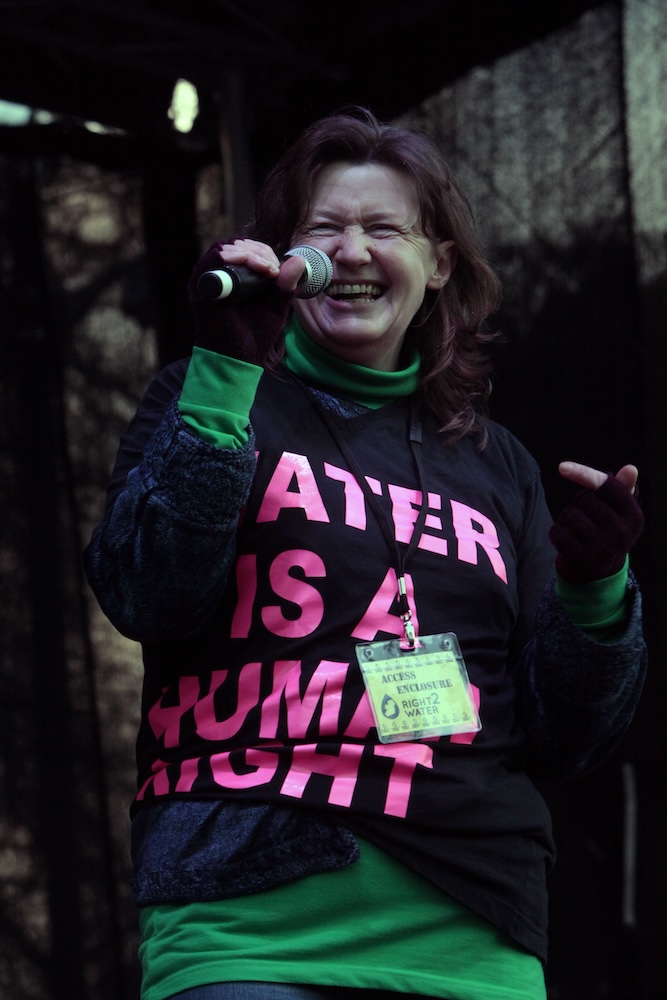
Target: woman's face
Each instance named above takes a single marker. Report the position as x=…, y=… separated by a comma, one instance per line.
x=366, y=217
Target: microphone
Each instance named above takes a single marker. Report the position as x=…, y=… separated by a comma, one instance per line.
x=239, y=282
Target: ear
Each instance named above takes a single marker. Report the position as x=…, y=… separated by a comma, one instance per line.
x=445, y=262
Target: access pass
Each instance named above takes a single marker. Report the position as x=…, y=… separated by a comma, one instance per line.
x=420, y=691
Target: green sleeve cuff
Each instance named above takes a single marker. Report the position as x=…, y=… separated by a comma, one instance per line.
x=598, y=606
x=217, y=396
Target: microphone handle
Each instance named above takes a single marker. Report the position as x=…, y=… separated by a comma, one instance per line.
x=234, y=279
x=243, y=283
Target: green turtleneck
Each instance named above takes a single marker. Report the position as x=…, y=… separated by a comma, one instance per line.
x=212, y=378
x=323, y=370
x=598, y=608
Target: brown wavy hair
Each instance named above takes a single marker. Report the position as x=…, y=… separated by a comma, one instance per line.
x=448, y=328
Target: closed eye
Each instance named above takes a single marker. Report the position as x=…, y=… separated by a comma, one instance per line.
x=381, y=230
x=322, y=229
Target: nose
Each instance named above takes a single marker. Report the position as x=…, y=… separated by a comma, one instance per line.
x=352, y=247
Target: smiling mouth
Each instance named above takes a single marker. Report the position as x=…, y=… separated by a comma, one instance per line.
x=359, y=291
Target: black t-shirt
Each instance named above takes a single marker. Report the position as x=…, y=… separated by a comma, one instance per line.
x=267, y=703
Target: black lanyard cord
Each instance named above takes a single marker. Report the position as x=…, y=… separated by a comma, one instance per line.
x=401, y=559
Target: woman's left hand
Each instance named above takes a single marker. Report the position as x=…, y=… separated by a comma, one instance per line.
x=591, y=479
x=596, y=531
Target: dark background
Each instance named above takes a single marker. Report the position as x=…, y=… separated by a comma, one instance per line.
x=540, y=109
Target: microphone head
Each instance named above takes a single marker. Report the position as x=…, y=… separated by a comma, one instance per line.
x=318, y=273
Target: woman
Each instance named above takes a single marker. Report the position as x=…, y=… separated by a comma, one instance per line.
x=334, y=564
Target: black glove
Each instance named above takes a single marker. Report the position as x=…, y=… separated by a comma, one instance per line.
x=247, y=330
x=595, y=533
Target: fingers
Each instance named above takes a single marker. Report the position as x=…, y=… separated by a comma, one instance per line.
x=582, y=475
x=592, y=479
x=290, y=273
x=255, y=255
x=261, y=258
x=593, y=535
x=628, y=477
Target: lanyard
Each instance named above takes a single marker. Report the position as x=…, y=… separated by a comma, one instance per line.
x=401, y=560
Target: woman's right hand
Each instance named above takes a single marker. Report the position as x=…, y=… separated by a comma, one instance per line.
x=251, y=328
x=261, y=258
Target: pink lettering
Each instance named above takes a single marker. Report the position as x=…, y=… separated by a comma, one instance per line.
x=407, y=757
x=378, y=616
x=166, y=719
x=469, y=538
x=405, y=511
x=209, y=727
x=355, y=508
x=325, y=689
x=188, y=775
x=342, y=767
x=264, y=762
x=427, y=541
x=246, y=587
x=159, y=780
x=279, y=496
x=362, y=721
x=297, y=592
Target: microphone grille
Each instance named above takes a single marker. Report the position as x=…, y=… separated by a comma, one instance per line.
x=318, y=274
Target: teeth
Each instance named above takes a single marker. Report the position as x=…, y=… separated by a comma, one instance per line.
x=342, y=289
